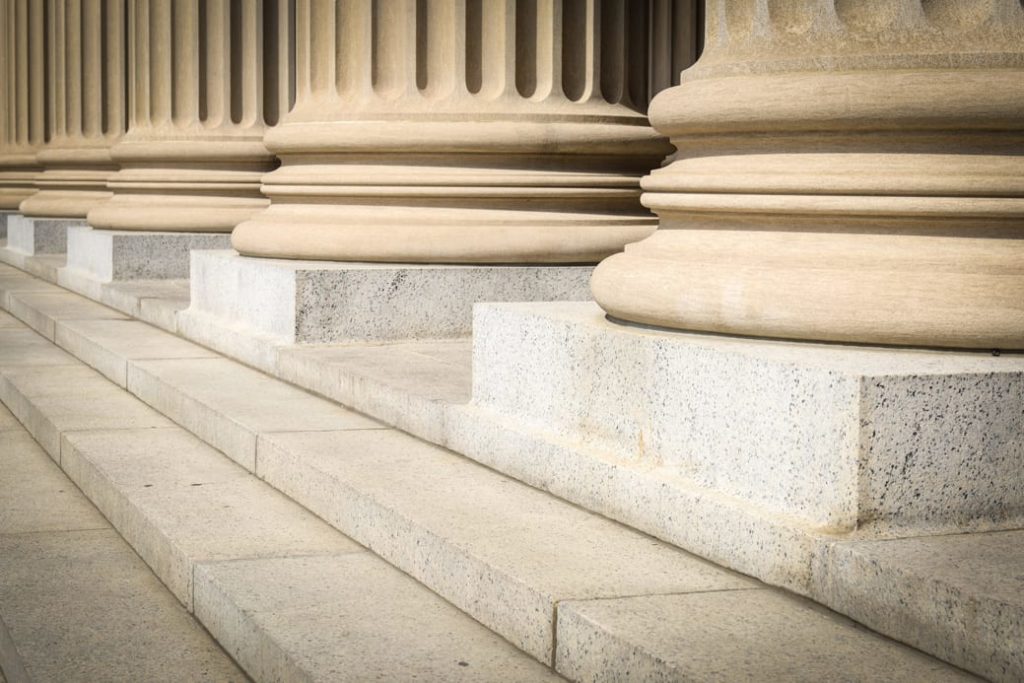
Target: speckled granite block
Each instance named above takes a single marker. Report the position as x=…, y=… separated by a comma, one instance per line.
x=959, y=596
x=111, y=255
x=4, y=215
x=841, y=438
x=33, y=236
x=319, y=302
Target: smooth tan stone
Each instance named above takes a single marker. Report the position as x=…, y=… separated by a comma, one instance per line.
x=20, y=346
x=452, y=132
x=192, y=156
x=847, y=171
x=85, y=45
x=23, y=101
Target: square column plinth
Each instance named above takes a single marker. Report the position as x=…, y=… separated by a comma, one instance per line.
x=746, y=451
x=100, y=256
x=38, y=236
x=246, y=307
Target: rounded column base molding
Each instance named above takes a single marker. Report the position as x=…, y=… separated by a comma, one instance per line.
x=167, y=212
x=436, y=234
x=898, y=289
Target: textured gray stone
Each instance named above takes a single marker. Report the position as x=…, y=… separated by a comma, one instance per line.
x=840, y=437
x=33, y=236
x=284, y=302
x=228, y=405
x=43, y=310
x=52, y=400
x=503, y=552
x=110, y=255
x=961, y=596
x=178, y=502
x=13, y=281
x=754, y=635
x=348, y=618
x=109, y=345
x=80, y=606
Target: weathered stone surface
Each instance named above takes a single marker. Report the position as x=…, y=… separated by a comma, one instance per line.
x=42, y=310
x=958, y=595
x=480, y=540
x=839, y=437
x=109, y=345
x=228, y=405
x=20, y=346
x=755, y=635
x=179, y=502
x=281, y=618
x=53, y=400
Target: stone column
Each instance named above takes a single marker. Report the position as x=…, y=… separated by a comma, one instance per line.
x=848, y=170
x=484, y=131
x=199, y=86
x=86, y=106
x=23, y=81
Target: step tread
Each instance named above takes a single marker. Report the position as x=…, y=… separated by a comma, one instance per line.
x=730, y=636
x=960, y=593
x=42, y=310
x=142, y=480
x=76, y=603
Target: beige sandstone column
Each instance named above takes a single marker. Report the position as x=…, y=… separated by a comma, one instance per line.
x=86, y=106
x=200, y=89
x=22, y=81
x=477, y=131
x=848, y=170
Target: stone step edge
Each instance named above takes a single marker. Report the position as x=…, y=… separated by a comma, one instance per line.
x=822, y=544
x=136, y=516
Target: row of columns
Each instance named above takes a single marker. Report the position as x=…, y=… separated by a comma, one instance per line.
x=846, y=170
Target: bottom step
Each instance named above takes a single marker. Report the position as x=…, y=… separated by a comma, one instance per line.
x=76, y=603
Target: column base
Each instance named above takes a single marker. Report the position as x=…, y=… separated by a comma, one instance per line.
x=747, y=452
x=246, y=307
x=99, y=257
x=37, y=245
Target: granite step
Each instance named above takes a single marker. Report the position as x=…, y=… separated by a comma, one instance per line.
x=481, y=540
x=260, y=573
x=76, y=603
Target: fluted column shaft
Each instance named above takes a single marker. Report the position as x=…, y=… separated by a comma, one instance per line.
x=193, y=154
x=847, y=171
x=477, y=131
x=86, y=106
x=23, y=79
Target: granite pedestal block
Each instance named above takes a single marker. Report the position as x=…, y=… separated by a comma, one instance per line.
x=4, y=215
x=110, y=255
x=36, y=236
x=747, y=451
x=245, y=306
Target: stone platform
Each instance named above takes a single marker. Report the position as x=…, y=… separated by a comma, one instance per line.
x=752, y=453
x=98, y=257
x=247, y=307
